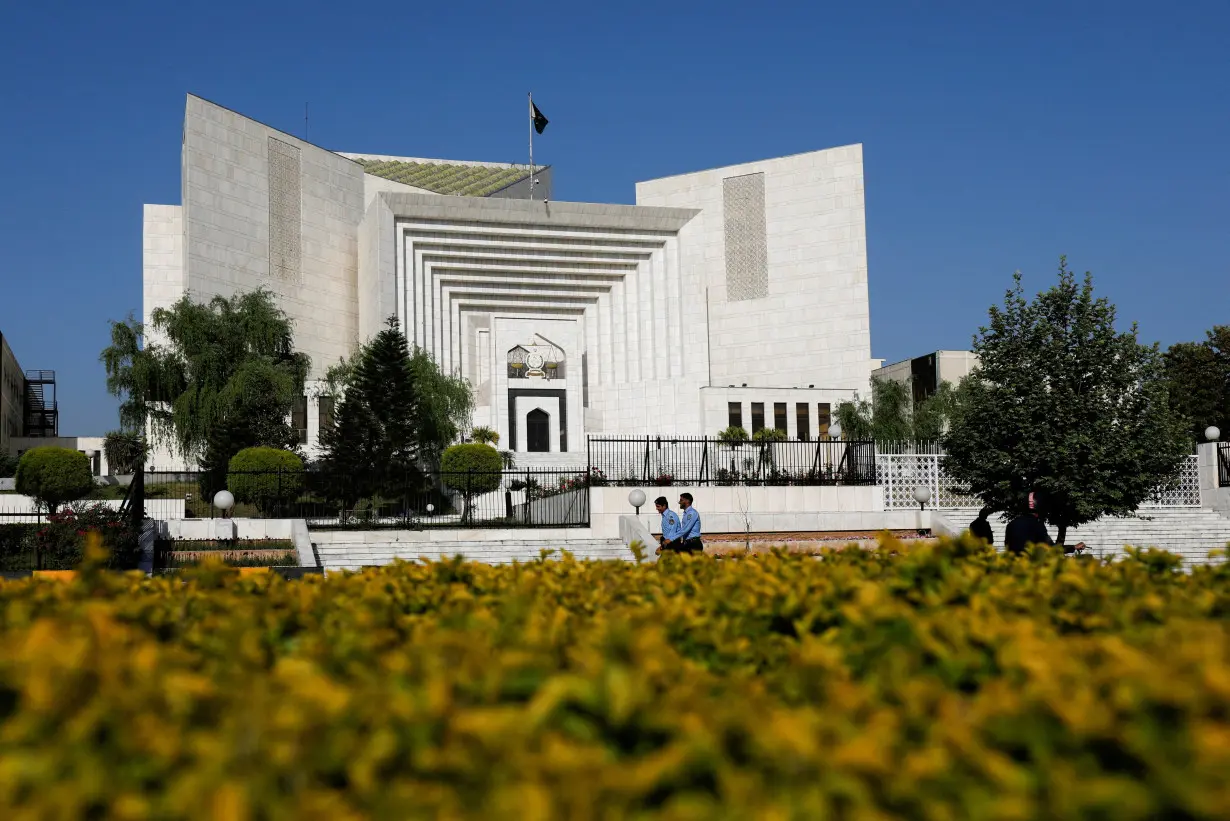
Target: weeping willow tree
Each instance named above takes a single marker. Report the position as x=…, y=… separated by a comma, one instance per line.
x=224, y=377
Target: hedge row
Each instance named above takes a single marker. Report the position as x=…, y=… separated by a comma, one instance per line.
x=935, y=681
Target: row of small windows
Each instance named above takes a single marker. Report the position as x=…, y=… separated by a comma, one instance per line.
x=781, y=411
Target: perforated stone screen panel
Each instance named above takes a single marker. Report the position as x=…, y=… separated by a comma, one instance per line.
x=747, y=258
x=285, y=212
x=901, y=473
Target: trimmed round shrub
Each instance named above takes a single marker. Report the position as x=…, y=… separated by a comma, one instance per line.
x=472, y=468
x=53, y=476
x=268, y=478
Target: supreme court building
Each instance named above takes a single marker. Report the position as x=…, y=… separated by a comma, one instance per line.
x=736, y=295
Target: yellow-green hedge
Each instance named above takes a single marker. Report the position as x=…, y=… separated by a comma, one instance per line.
x=929, y=682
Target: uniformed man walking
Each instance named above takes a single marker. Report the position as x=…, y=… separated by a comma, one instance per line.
x=670, y=526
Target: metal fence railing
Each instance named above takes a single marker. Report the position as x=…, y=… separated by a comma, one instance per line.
x=1223, y=464
x=660, y=460
x=471, y=499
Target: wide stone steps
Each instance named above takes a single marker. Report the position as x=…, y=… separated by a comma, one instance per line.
x=1187, y=532
x=341, y=554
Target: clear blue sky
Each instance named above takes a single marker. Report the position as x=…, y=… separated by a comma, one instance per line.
x=996, y=136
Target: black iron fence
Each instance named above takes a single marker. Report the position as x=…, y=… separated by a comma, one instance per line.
x=660, y=460
x=473, y=499
x=1223, y=464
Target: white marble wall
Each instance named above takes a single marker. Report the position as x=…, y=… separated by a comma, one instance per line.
x=813, y=327
x=162, y=260
x=226, y=215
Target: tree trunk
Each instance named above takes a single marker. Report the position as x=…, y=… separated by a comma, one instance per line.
x=1063, y=533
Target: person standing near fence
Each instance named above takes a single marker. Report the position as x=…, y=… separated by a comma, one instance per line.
x=689, y=526
x=980, y=528
x=669, y=540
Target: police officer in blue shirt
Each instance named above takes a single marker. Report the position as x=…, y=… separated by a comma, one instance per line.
x=670, y=526
x=689, y=527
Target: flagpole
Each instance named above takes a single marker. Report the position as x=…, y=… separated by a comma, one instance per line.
x=531, y=119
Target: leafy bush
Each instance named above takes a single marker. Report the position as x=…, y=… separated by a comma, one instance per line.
x=733, y=435
x=769, y=435
x=53, y=476
x=472, y=467
x=8, y=466
x=17, y=546
x=927, y=681
x=269, y=478
x=59, y=542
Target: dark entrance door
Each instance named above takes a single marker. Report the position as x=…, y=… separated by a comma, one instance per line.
x=538, y=431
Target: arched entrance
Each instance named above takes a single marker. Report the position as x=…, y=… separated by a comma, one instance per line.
x=538, y=431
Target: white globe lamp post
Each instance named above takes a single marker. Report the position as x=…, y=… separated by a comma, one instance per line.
x=922, y=495
x=224, y=500
x=1212, y=433
x=835, y=431
x=637, y=498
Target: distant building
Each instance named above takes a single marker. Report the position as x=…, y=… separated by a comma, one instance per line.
x=30, y=413
x=924, y=374
x=12, y=391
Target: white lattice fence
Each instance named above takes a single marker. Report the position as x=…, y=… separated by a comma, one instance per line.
x=1186, y=490
x=901, y=473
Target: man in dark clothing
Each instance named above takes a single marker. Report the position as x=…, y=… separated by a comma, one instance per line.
x=980, y=528
x=1023, y=531
x=1027, y=529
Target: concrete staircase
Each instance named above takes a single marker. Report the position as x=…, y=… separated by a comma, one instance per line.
x=1187, y=532
x=338, y=552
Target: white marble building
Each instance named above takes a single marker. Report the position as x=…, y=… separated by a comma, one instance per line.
x=736, y=294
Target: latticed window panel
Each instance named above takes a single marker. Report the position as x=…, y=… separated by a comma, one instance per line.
x=1186, y=490
x=285, y=211
x=747, y=255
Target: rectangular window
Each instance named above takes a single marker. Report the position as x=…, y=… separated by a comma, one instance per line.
x=779, y=416
x=298, y=418
x=757, y=417
x=734, y=414
x=824, y=417
x=324, y=413
x=803, y=420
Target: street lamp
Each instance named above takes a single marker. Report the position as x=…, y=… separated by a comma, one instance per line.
x=922, y=495
x=637, y=498
x=835, y=431
x=430, y=508
x=1212, y=433
x=224, y=500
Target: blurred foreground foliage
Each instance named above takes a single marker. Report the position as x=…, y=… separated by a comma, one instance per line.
x=934, y=681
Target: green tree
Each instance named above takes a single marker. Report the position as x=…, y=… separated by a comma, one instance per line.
x=1065, y=405
x=225, y=378
x=472, y=469
x=1198, y=376
x=732, y=435
x=890, y=415
x=269, y=478
x=125, y=451
x=8, y=466
x=375, y=442
x=445, y=402
x=446, y=405
x=931, y=416
x=53, y=476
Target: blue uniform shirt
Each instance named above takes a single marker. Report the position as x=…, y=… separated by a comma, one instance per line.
x=690, y=526
x=670, y=525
